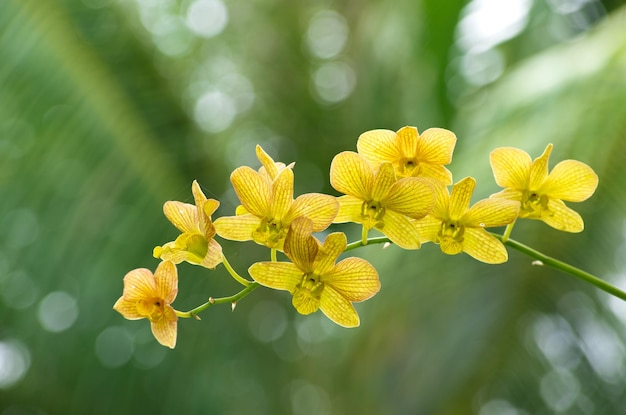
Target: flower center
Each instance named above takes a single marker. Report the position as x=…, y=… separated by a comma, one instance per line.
x=452, y=229
x=151, y=308
x=270, y=233
x=409, y=167
x=372, y=214
x=533, y=204
x=311, y=286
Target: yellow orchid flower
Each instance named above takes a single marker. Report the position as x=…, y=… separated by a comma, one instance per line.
x=149, y=296
x=458, y=228
x=410, y=153
x=377, y=200
x=268, y=207
x=196, y=244
x=315, y=280
x=541, y=194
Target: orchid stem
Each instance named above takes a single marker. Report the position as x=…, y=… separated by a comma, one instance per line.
x=233, y=299
x=364, y=239
x=234, y=274
x=562, y=266
x=370, y=241
x=507, y=232
x=544, y=259
x=273, y=254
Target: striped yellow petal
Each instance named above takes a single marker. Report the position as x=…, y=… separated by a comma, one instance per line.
x=511, y=167
x=304, y=302
x=562, y=218
x=385, y=177
x=164, y=329
x=435, y=146
x=333, y=246
x=539, y=169
x=237, y=228
x=401, y=230
x=489, y=213
x=300, y=245
x=428, y=228
x=460, y=197
x=268, y=163
x=350, y=174
x=407, y=141
x=378, y=146
x=128, y=309
x=350, y=209
x=320, y=208
x=139, y=284
x=483, y=246
x=166, y=281
x=182, y=215
x=570, y=180
x=253, y=191
x=282, y=194
x=354, y=278
x=277, y=275
x=338, y=309
x=214, y=255
x=436, y=172
x=411, y=196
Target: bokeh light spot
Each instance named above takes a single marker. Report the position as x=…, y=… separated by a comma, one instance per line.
x=20, y=228
x=18, y=290
x=559, y=390
x=114, y=346
x=267, y=321
x=334, y=82
x=14, y=362
x=309, y=399
x=327, y=34
x=207, y=18
x=57, y=311
x=215, y=111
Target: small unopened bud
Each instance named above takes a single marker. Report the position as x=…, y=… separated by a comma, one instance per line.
x=233, y=305
x=211, y=300
x=537, y=263
x=386, y=245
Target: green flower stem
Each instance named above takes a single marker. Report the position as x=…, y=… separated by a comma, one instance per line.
x=273, y=255
x=234, y=274
x=507, y=232
x=544, y=259
x=364, y=239
x=233, y=299
x=370, y=241
x=555, y=263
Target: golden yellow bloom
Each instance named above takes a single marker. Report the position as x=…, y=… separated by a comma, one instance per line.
x=149, y=296
x=377, y=200
x=313, y=278
x=410, y=153
x=268, y=207
x=196, y=244
x=541, y=194
x=456, y=227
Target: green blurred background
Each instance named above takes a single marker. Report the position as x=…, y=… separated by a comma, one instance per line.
x=108, y=108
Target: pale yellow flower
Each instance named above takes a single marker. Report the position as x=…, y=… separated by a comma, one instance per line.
x=149, y=296
x=315, y=280
x=410, y=153
x=458, y=228
x=195, y=244
x=268, y=207
x=377, y=200
x=541, y=194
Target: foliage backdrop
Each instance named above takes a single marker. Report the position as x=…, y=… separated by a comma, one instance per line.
x=108, y=108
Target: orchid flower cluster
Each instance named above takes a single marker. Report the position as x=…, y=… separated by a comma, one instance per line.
x=395, y=184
